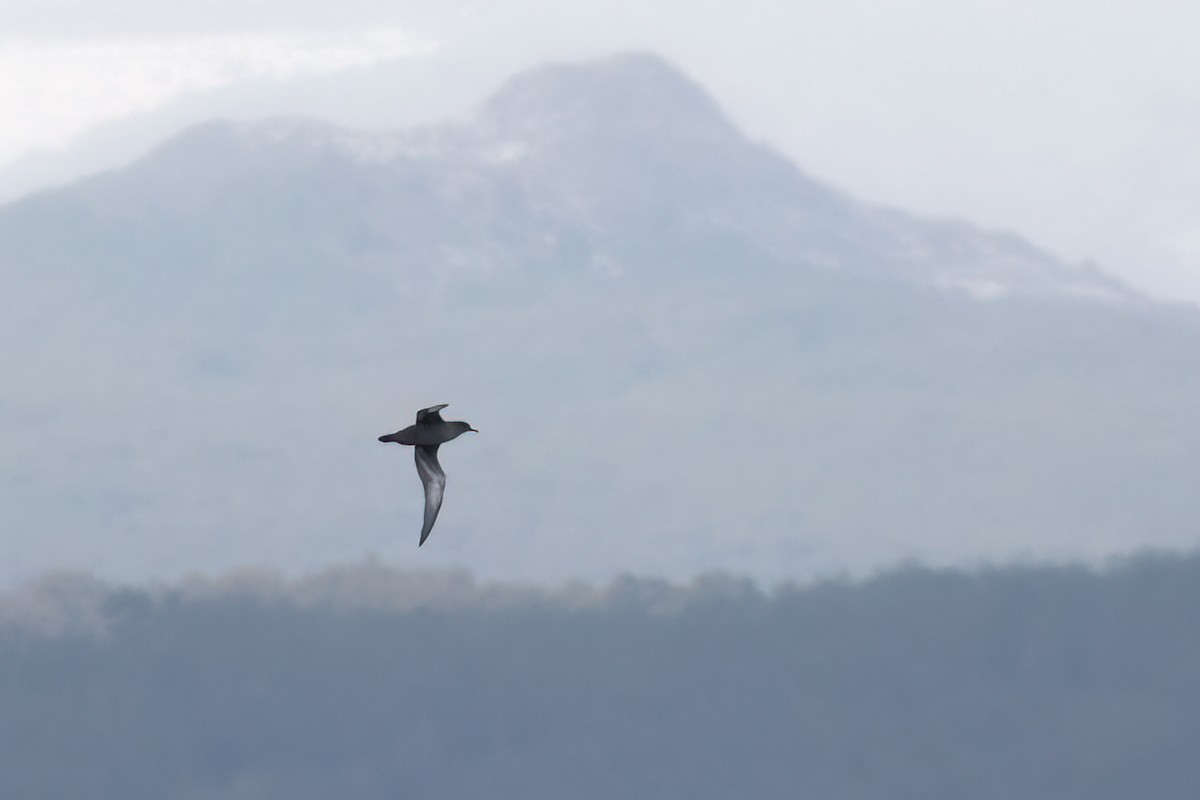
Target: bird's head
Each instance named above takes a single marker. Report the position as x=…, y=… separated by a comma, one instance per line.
x=462, y=427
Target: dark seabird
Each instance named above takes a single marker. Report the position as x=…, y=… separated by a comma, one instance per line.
x=430, y=433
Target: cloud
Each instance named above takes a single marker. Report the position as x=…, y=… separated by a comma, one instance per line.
x=89, y=20
x=54, y=91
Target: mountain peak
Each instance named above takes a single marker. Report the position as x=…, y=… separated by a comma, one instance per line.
x=632, y=90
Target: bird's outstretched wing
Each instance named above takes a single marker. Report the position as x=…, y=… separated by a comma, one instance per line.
x=430, y=415
x=435, y=484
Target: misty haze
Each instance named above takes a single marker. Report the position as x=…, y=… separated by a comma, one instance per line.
x=778, y=491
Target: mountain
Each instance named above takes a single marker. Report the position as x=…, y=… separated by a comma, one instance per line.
x=683, y=353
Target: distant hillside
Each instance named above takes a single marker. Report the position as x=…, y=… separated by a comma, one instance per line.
x=362, y=683
x=683, y=354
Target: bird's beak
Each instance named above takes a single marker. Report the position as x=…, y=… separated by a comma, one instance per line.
x=389, y=437
x=472, y=430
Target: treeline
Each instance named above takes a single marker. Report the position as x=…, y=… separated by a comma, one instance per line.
x=1018, y=682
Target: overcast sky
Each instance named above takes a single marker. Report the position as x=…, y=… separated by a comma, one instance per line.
x=1075, y=123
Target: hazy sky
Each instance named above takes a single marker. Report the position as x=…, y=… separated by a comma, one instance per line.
x=1075, y=123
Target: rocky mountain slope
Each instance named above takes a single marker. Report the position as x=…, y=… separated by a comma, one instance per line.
x=683, y=354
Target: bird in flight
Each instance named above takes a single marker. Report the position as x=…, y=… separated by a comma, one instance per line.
x=428, y=434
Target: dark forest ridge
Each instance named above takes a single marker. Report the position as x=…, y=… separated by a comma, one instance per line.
x=1046, y=683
